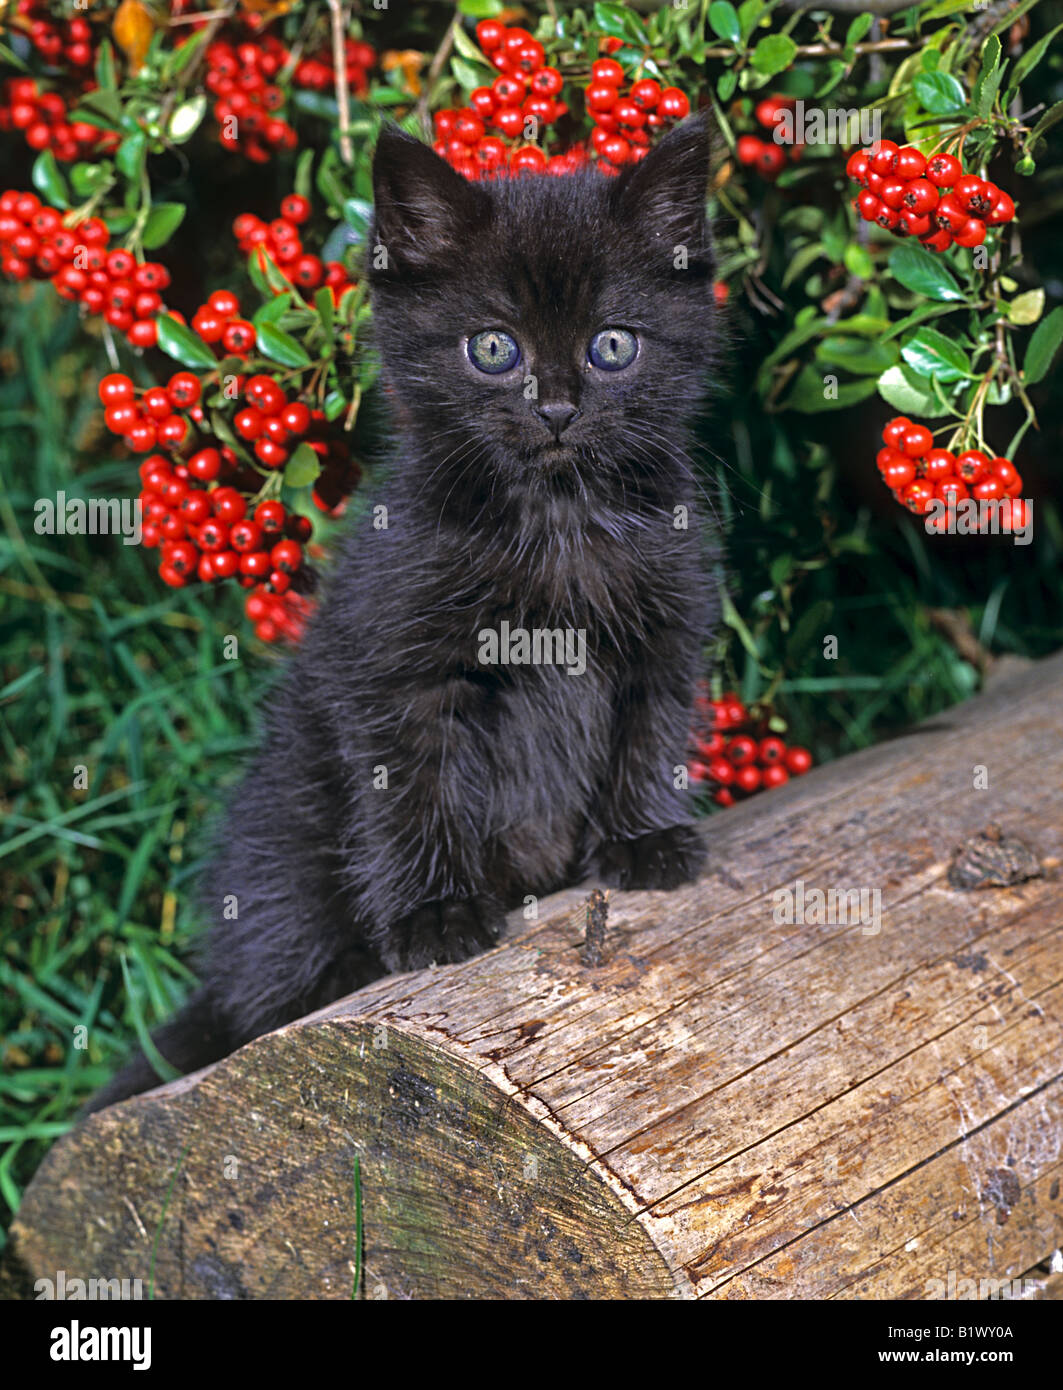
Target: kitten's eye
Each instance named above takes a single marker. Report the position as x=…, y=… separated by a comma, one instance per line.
x=493, y=351
x=613, y=349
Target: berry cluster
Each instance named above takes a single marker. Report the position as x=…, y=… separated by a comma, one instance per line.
x=918, y=474
x=34, y=242
x=768, y=157
x=736, y=755
x=278, y=615
x=622, y=124
x=249, y=103
x=197, y=510
x=932, y=199
x=317, y=73
x=281, y=241
x=524, y=101
x=42, y=118
x=247, y=100
x=64, y=42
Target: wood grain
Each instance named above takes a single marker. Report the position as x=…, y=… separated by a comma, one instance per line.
x=729, y=1106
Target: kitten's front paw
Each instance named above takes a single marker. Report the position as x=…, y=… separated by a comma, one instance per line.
x=661, y=859
x=439, y=933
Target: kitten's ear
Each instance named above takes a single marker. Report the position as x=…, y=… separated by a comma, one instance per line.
x=663, y=196
x=424, y=211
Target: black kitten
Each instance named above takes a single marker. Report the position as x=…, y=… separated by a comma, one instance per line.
x=545, y=344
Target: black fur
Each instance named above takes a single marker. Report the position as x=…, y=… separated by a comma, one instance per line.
x=502, y=780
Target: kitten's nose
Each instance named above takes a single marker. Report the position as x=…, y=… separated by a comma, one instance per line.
x=558, y=415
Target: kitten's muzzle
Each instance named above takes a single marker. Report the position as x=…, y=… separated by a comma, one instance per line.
x=558, y=416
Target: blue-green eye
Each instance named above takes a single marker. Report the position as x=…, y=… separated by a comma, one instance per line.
x=493, y=351
x=613, y=349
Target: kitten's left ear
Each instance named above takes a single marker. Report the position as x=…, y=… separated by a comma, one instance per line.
x=663, y=195
x=424, y=211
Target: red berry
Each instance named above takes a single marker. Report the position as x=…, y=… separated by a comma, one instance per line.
x=771, y=750
x=971, y=234
x=228, y=504
x=183, y=389
x=918, y=496
x=249, y=423
x=798, y=760
x=646, y=93
x=938, y=464
x=917, y=440
x=287, y=556
x=607, y=70
x=295, y=208
x=205, y=465
x=157, y=403
x=748, y=778
x=775, y=775
x=1003, y=210
x=943, y=170
x=239, y=337
x=673, y=104
x=741, y=750
x=911, y=164
x=884, y=157
x=271, y=516
x=971, y=465
x=295, y=417
x=115, y=388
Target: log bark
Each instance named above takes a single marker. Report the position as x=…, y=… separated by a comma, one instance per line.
x=729, y=1106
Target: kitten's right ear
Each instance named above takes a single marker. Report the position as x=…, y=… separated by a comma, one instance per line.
x=424, y=211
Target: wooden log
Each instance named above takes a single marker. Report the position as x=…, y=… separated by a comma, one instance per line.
x=730, y=1105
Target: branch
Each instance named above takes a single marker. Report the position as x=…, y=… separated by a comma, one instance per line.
x=339, y=64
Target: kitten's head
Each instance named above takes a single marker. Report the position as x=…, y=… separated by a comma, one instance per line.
x=546, y=333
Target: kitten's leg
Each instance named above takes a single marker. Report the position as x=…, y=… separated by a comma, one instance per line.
x=422, y=839
x=649, y=839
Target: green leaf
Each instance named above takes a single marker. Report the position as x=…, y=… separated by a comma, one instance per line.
x=335, y=404
x=619, y=23
x=273, y=310
x=130, y=155
x=1043, y=347
x=1027, y=308
x=836, y=70
x=470, y=75
x=325, y=309
x=858, y=28
x=725, y=86
x=906, y=391
x=1030, y=59
x=856, y=356
x=858, y=260
x=186, y=120
x=85, y=178
x=163, y=220
x=723, y=19
x=480, y=9
x=749, y=13
x=105, y=74
x=930, y=353
x=920, y=271
x=989, y=75
x=281, y=347
x=939, y=93
x=1052, y=116
x=48, y=180
x=357, y=213
x=302, y=468
x=179, y=342
x=773, y=54
x=303, y=167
